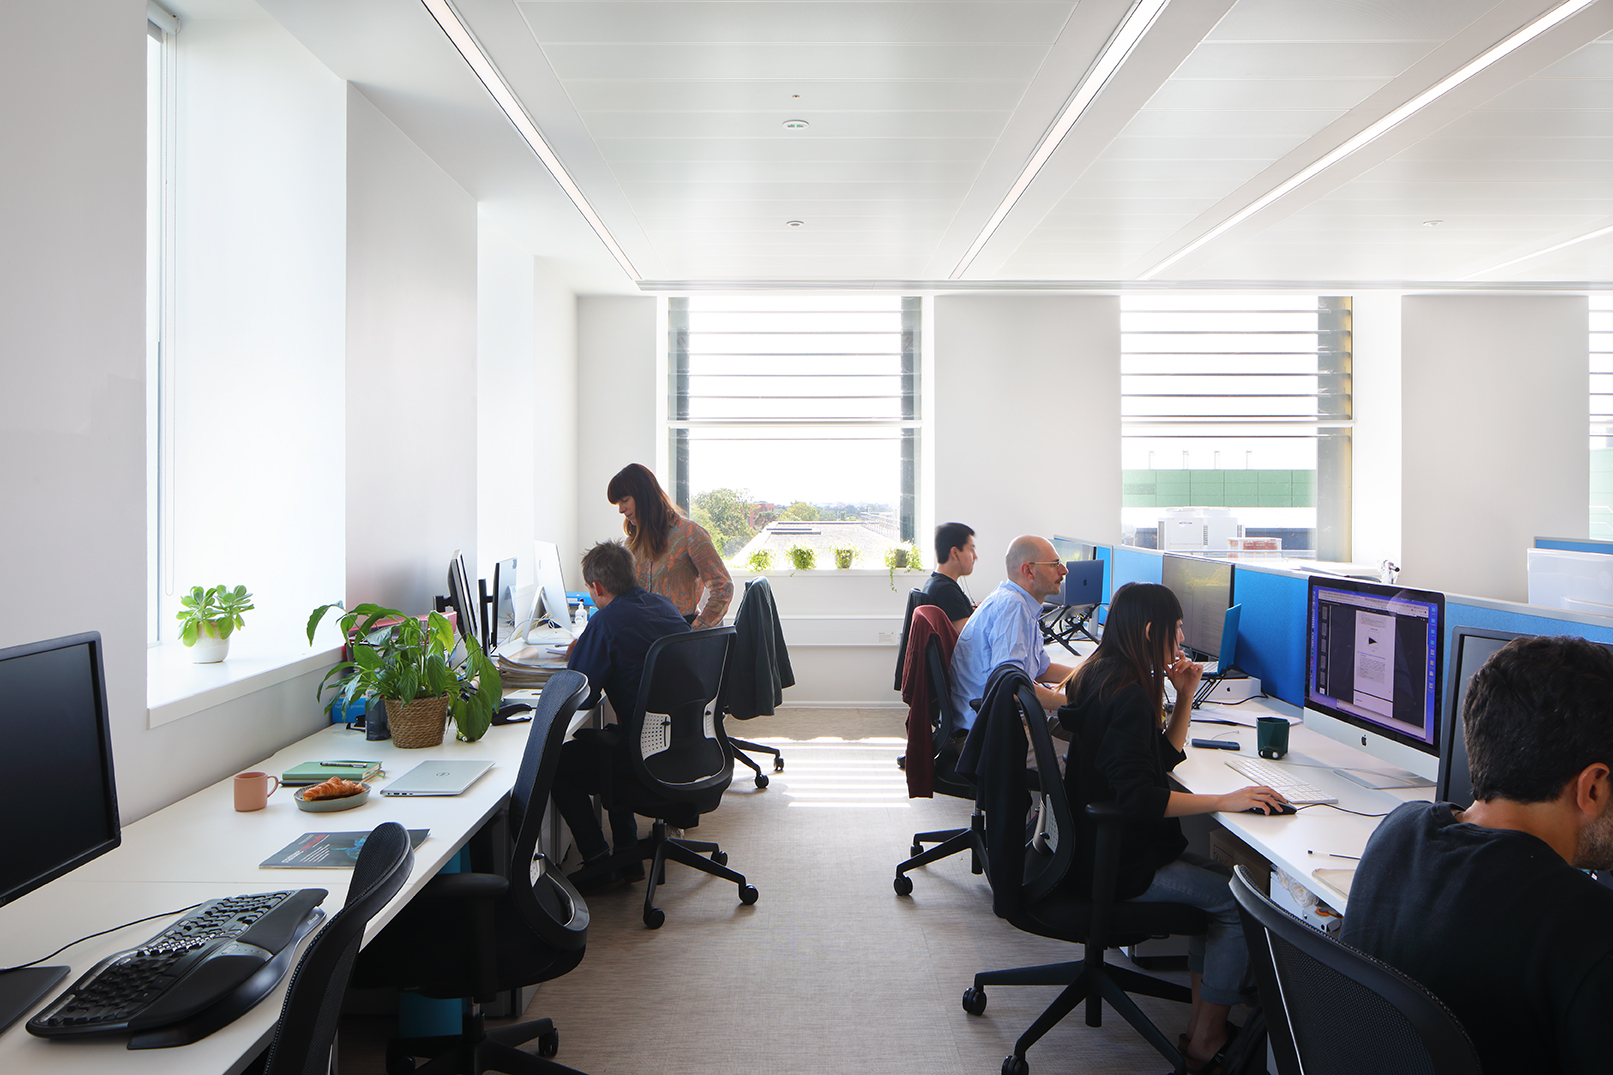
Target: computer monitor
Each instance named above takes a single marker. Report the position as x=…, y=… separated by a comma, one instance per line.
x=1074, y=548
x=1373, y=658
x=56, y=783
x=1204, y=587
x=464, y=599
x=549, y=595
x=501, y=615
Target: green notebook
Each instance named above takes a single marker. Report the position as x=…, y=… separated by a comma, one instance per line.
x=317, y=772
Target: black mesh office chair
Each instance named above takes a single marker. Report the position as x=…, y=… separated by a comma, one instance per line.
x=946, y=780
x=313, y=1006
x=758, y=672
x=1037, y=900
x=681, y=761
x=1331, y=1009
x=477, y=934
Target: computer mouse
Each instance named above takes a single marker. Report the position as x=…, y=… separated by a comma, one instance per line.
x=1276, y=809
x=510, y=713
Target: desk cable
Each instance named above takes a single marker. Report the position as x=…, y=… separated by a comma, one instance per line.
x=88, y=936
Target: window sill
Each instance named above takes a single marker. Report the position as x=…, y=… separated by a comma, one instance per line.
x=177, y=688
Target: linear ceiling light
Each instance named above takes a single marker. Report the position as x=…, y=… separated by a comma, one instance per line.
x=1587, y=237
x=1142, y=16
x=1445, y=85
x=510, y=105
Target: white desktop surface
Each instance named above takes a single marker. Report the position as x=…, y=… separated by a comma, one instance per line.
x=201, y=848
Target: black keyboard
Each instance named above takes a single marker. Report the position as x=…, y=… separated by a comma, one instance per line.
x=193, y=977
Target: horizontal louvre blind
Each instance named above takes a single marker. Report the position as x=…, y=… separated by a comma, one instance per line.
x=1601, y=408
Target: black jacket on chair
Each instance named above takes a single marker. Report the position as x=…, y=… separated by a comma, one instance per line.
x=994, y=756
x=760, y=667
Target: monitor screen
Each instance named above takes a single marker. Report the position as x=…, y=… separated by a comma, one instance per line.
x=1204, y=587
x=501, y=620
x=463, y=598
x=1373, y=658
x=1074, y=548
x=56, y=782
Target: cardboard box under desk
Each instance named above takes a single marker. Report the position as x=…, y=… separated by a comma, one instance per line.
x=1230, y=851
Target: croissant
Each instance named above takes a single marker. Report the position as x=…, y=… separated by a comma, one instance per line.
x=334, y=788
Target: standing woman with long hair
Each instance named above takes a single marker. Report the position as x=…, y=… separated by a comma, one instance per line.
x=1121, y=748
x=675, y=556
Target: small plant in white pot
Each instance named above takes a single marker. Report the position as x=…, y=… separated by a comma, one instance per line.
x=209, y=617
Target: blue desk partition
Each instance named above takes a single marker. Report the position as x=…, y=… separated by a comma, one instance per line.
x=1522, y=620
x=1271, y=633
x=1136, y=565
x=1107, y=555
x=1572, y=545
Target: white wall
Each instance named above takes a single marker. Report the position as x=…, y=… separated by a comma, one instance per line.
x=1375, y=441
x=1493, y=434
x=616, y=394
x=556, y=418
x=1027, y=419
x=411, y=366
x=257, y=347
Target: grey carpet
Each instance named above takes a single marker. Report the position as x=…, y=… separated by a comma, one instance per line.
x=830, y=971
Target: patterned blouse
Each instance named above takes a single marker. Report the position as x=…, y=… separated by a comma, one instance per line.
x=689, y=566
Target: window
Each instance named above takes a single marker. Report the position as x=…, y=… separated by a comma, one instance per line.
x=1601, y=523
x=1239, y=402
x=795, y=410
x=160, y=109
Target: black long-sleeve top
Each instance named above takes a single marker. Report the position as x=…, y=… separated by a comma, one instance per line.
x=1119, y=754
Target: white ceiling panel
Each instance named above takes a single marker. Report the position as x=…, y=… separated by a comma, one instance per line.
x=1200, y=122
x=1354, y=20
x=762, y=125
x=603, y=95
x=1304, y=59
x=1331, y=94
x=713, y=61
x=787, y=151
x=865, y=21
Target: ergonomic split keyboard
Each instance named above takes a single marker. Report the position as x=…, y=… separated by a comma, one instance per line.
x=1292, y=787
x=193, y=977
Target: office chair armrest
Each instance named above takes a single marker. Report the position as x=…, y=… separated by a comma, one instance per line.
x=464, y=886
x=1107, y=813
x=571, y=934
x=1110, y=819
x=606, y=737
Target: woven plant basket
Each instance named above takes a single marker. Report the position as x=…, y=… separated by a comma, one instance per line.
x=418, y=723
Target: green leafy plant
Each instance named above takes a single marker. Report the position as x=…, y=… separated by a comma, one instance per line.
x=844, y=556
x=760, y=560
x=218, y=607
x=902, y=558
x=802, y=558
x=401, y=658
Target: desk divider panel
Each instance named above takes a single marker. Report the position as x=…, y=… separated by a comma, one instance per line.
x=1136, y=565
x=1521, y=620
x=1106, y=553
x=1572, y=545
x=1271, y=632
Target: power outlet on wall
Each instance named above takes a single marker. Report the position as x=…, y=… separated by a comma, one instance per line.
x=887, y=638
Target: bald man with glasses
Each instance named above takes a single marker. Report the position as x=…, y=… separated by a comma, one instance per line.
x=1004, y=628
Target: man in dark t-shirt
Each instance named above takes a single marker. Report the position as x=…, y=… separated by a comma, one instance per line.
x=610, y=653
x=954, y=558
x=1488, y=907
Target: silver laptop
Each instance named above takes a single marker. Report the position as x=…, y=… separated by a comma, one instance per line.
x=438, y=778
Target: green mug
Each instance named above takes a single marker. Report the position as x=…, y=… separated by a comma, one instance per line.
x=1271, y=737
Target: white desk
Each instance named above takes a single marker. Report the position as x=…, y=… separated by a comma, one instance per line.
x=200, y=848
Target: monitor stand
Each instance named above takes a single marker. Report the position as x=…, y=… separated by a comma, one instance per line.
x=22, y=988
x=1384, y=779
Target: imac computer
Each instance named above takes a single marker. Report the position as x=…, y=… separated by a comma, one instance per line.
x=1074, y=548
x=548, y=596
x=501, y=604
x=1373, y=658
x=1204, y=587
x=56, y=784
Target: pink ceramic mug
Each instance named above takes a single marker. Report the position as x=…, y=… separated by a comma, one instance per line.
x=252, y=790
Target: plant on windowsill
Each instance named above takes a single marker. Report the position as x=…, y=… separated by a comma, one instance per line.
x=902, y=558
x=802, y=558
x=408, y=663
x=844, y=557
x=761, y=560
x=210, y=616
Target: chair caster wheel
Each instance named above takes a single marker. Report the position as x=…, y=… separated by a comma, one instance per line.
x=778, y=765
x=1016, y=1065
x=916, y=850
x=720, y=857
x=761, y=780
x=974, y=1002
x=654, y=918
x=549, y=1044
x=749, y=894
x=398, y=1061
x=903, y=885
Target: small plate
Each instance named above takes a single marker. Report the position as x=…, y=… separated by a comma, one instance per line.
x=325, y=806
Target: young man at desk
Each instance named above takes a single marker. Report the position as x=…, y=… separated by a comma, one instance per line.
x=611, y=654
x=1487, y=906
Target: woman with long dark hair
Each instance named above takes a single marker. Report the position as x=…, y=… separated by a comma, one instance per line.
x=1121, y=748
x=675, y=557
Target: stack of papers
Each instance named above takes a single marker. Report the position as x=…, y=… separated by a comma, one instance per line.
x=529, y=666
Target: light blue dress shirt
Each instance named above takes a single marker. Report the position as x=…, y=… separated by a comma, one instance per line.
x=1002, y=629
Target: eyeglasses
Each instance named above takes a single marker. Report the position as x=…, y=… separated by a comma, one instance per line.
x=1045, y=563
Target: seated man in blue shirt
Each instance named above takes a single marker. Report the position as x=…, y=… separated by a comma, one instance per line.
x=1004, y=628
x=610, y=653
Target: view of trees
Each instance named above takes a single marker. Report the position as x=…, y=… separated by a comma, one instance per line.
x=733, y=517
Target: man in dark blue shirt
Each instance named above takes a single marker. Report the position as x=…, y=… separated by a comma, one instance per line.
x=611, y=654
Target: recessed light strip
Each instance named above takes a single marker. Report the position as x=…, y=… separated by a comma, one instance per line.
x=1486, y=59
x=510, y=105
x=1587, y=237
x=1120, y=45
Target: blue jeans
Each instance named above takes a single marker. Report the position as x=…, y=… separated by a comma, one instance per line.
x=1220, y=956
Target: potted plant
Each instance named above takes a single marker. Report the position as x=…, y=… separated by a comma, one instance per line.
x=844, y=556
x=761, y=560
x=210, y=616
x=407, y=662
x=802, y=558
x=902, y=558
